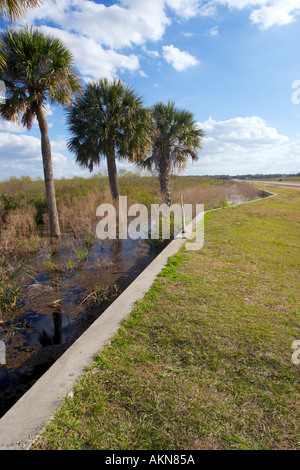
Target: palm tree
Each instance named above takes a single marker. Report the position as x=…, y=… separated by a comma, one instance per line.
x=15, y=8
x=108, y=121
x=175, y=138
x=38, y=68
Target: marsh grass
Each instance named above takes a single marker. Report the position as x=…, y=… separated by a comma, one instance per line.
x=204, y=360
x=18, y=233
x=9, y=289
x=24, y=219
x=82, y=253
x=102, y=294
x=216, y=194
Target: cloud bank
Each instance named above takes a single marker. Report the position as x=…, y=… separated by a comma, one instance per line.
x=234, y=146
x=245, y=145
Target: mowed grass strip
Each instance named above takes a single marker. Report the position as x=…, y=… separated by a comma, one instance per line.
x=205, y=360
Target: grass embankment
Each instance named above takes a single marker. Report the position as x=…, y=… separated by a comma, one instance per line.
x=205, y=360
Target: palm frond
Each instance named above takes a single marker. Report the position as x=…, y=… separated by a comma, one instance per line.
x=111, y=114
x=36, y=68
x=176, y=138
x=13, y=9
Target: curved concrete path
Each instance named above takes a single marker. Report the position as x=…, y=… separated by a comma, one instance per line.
x=296, y=185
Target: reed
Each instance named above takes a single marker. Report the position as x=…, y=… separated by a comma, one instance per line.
x=24, y=219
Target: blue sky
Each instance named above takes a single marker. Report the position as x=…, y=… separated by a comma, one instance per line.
x=232, y=63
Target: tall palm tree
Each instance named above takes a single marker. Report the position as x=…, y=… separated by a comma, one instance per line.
x=109, y=121
x=176, y=137
x=15, y=8
x=38, y=68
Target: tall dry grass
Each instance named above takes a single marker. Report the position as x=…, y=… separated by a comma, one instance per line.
x=78, y=199
x=78, y=215
x=216, y=195
x=19, y=233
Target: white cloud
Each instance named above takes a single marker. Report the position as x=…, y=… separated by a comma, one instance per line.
x=180, y=60
x=21, y=155
x=245, y=145
x=185, y=8
x=95, y=32
x=93, y=61
x=150, y=53
x=249, y=131
x=14, y=145
x=188, y=34
x=10, y=126
x=213, y=32
x=266, y=13
x=276, y=13
x=131, y=22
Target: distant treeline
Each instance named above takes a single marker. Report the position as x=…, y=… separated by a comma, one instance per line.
x=257, y=176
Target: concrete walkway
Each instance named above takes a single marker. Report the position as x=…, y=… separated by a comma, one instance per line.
x=296, y=185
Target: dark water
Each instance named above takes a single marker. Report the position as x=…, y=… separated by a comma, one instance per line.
x=57, y=306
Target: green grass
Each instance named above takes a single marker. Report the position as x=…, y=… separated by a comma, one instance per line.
x=205, y=360
x=292, y=179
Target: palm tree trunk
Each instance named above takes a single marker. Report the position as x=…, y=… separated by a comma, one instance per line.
x=48, y=173
x=112, y=174
x=164, y=180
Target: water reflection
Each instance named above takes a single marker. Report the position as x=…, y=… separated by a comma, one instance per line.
x=46, y=339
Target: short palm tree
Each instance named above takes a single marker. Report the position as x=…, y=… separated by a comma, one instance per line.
x=109, y=121
x=176, y=137
x=38, y=68
x=15, y=8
